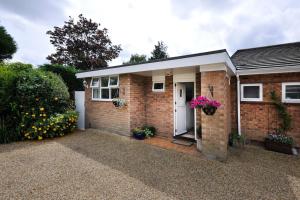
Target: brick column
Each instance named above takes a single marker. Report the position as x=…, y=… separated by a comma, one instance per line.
x=216, y=128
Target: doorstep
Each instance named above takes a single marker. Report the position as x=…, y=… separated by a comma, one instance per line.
x=166, y=143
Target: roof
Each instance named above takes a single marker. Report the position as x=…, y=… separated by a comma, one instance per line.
x=275, y=56
x=210, y=57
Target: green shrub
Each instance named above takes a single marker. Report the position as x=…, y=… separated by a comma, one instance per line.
x=27, y=98
x=236, y=140
x=53, y=126
x=8, y=135
x=67, y=73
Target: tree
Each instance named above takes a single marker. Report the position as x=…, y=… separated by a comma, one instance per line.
x=82, y=44
x=159, y=51
x=136, y=58
x=68, y=74
x=8, y=45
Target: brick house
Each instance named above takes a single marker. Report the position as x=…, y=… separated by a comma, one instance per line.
x=158, y=94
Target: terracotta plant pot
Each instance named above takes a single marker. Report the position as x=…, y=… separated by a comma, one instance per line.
x=278, y=147
x=209, y=110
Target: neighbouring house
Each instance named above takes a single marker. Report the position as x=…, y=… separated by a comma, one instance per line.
x=158, y=93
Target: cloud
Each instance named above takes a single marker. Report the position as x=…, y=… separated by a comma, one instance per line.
x=188, y=26
x=46, y=11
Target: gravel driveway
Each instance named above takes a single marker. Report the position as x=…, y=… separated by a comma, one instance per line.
x=98, y=165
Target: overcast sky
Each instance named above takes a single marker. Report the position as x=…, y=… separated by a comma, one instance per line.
x=186, y=26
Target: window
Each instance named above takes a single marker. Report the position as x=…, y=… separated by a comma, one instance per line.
x=291, y=92
x=105, y=88
x=95, y=88
x=158, y=87
x=251, y=92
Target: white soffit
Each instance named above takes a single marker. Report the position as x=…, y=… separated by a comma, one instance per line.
x=221, y=57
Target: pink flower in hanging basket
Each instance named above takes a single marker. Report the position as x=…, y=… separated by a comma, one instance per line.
x=203, y=102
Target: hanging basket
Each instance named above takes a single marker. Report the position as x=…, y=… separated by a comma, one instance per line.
x=210, y=110
x=118, y=103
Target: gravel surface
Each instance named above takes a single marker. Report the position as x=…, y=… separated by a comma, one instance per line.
x=98, y=165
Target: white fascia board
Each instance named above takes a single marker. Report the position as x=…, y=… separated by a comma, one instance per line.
x=272, y=70
x=168, y=64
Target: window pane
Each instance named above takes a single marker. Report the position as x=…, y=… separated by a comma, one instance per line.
x=114, y=93
x=113, y=81
x=105, y=93
x=96, y=93
x=292, y=91
x=158, y=86
x=104, y=81
x=251, y=91
x=95, y=82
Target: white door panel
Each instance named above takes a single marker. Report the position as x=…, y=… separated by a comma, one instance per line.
x=180, y=109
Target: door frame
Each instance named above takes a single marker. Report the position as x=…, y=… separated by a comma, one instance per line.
x=191, y=77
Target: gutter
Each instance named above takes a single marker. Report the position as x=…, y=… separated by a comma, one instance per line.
x=238, y=103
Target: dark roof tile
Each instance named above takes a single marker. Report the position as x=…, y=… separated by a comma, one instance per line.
x=269, y=56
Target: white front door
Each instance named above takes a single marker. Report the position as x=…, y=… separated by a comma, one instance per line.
x=180, y=109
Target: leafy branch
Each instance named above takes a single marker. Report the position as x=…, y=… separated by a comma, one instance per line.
x=282, y=113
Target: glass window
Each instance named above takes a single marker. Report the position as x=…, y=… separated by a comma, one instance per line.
x=113, y=81
x=291, y=92
x=95, y=82
x=96, y=93
x=251, y=92
x=107, y=90
x=105, y=93
x=104, y=81
x=158, y=86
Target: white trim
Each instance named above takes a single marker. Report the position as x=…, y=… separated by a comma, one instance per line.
x=158, y=90
x=271, y=70
x=260, y=85
x=221, y=57
x=109, y=87
x=239, y=104
x=283, y=93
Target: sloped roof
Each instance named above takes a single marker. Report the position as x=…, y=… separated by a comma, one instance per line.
x=282, y=55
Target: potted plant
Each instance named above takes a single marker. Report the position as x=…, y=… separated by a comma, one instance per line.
x=119, y=102
x=208, y=106
x=138, y=133
x=150, y=131
x=279, y=143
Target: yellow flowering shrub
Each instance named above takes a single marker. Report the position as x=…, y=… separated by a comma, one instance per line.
x=53, y=126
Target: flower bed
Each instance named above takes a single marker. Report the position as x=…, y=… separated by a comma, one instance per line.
x=279, y=143
x=208, y=106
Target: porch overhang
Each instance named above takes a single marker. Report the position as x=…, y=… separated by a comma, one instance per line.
x=219, y=57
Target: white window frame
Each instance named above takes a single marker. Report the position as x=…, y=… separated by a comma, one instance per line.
x=106, y=87
x=94, y=87
x=158, y=90
x=260, y=85
x=283, y=93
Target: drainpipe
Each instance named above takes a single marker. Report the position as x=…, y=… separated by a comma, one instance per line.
x=239, y=104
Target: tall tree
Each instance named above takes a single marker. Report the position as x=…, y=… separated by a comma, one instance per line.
x=159, y=51
x=8, y=45
x=136, y=58
x=82, y=44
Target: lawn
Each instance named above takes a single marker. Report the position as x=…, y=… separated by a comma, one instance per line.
x=98, y=165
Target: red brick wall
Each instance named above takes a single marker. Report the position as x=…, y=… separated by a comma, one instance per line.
x=104, y=115
x=143, y=107
x=216, y=128
x=259, y=118
x=137, y=103
x=159, y=107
